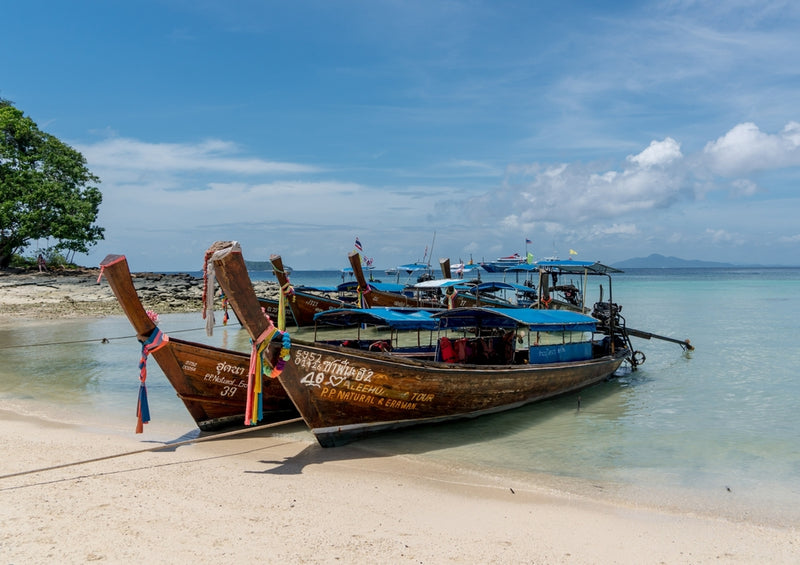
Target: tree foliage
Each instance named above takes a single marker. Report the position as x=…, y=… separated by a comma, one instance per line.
x=46, y=190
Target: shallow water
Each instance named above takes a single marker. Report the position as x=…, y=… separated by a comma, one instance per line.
x=712, y=430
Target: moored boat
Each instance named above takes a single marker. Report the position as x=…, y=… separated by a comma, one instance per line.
x=473, y=366
x=502, y=263
x=211, y=382
x=374, y=295
x=303, y=305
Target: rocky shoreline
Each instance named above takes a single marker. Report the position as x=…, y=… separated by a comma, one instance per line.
x=77, y=293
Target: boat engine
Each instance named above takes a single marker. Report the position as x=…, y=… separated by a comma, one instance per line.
x=610, y=321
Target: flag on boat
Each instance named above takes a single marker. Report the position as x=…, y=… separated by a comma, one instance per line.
x=530, y=258
x=573, y=252
x=358, y=245
x=528, y=241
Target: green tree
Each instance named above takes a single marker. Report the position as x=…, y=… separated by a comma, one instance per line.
x=45, y=190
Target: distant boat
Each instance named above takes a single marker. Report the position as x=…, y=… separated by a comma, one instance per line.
x=500, y=264
x=462, y=269
x=422, y=271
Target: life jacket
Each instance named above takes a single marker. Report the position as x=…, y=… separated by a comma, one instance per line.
x=447, y=351
x=462, y=350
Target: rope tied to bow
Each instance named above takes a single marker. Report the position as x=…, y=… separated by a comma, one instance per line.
x=362, y=295
x=154, y=342
x=286, y=290
x=103, y=267
x=209, y=281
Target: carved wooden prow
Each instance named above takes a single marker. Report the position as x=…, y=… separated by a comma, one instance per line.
x=277, y=268
x=115, y=269
x=445, y=265
x=233, y=278
x=355, y=262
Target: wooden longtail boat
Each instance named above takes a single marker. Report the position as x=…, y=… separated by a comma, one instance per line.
x=211, y=382
x=303, y=305
x=343, y=392
x=370, y=296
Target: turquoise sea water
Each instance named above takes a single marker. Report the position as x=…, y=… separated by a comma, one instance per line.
x=716, y=429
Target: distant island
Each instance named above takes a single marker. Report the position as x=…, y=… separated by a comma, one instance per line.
x=656, y=261
x=262, y=266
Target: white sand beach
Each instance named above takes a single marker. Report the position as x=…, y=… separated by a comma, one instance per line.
x=264, y=498
x=261, y=498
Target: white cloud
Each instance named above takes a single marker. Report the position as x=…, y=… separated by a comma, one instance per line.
x=719, y=236
x=744, y=187
x=213, y=155
x=745, y=148
x=570, y=193
x=659, y=153
x=576, y=197
x=616, y=229
x=213, y=190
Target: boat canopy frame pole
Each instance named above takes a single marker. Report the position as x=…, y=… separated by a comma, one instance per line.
x=584, y=289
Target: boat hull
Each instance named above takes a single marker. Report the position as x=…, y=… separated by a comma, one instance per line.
x=211, y=382
x=343, y=396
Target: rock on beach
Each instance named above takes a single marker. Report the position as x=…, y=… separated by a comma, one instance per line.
x=78, y=293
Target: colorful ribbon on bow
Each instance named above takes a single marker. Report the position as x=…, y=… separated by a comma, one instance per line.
x=451, y=296
x=225, y=316
x=254, y=409
x=157, y=340
x=283, y=357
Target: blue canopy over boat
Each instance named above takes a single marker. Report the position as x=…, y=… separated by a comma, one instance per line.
x=395, y=318
x=565, y=266
x=442, y=283
x=422, y=319
x=494, y=286
x=534, y=319
x=414, y=267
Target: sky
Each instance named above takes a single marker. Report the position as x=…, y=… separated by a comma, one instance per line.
x=425, y=129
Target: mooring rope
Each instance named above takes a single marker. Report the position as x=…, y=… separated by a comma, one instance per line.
x=98, y=339
x=151, y=449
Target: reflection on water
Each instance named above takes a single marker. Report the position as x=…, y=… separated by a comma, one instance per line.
x=719, y=423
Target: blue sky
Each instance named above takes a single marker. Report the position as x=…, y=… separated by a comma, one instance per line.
x=616, y=129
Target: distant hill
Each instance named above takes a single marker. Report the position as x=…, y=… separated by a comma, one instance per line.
x=656, y=261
